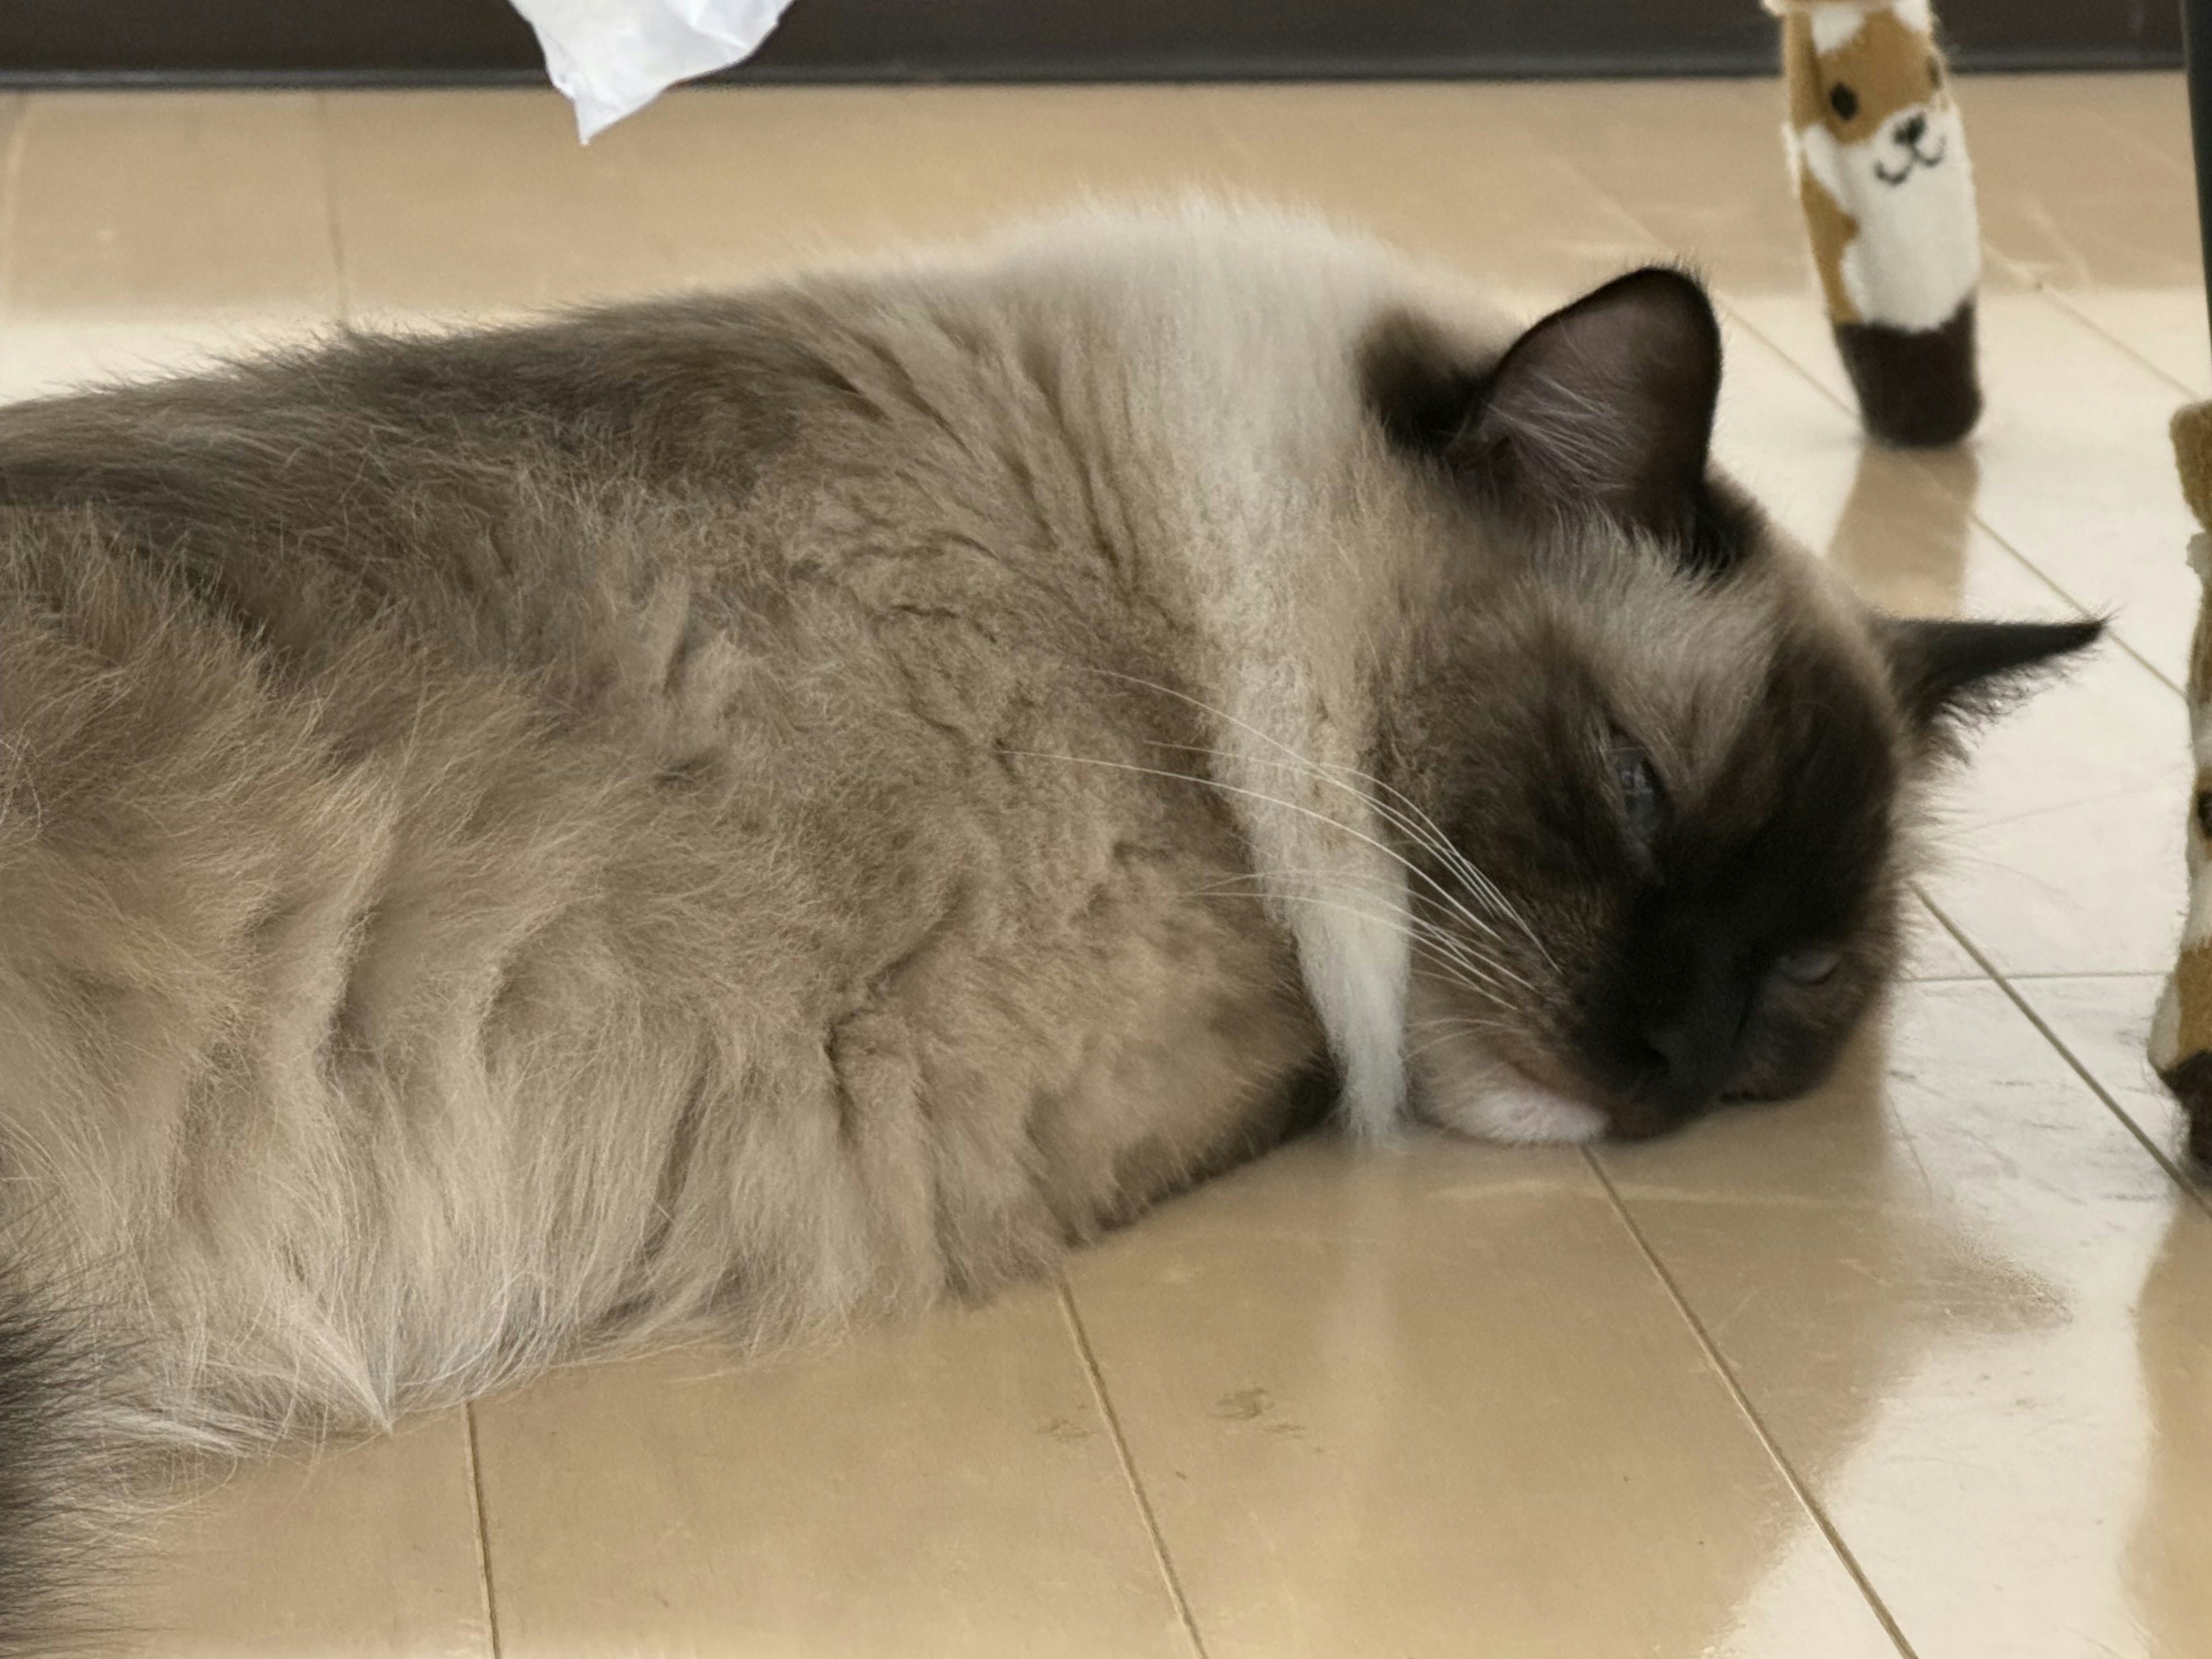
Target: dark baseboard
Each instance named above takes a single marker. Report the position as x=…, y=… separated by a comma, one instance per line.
x=483, y=42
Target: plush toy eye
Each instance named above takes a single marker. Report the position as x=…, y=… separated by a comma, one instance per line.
x=1642, y=797
x=1935, y=72
x=1808, y=967
x=1843, y=101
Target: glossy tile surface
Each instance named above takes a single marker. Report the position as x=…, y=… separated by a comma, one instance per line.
x=1359, y=1395
x=369, y=1550
x=1919, y=1366
x=147, y=229
x=950, y=1489
x=1956, y=1308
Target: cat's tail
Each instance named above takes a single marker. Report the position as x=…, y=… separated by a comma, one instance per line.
x=56, y=1473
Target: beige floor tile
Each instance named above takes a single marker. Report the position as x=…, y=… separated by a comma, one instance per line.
x=2050, y=157
x=11, y=121
x=168, y=204
x=1951, y=1287
x=1436, y=1402
x=2152, y=109
x=1448, y=171
x=1699, y=164
x=947, y=1489
x=149, y=230
x=483, y=201
x=2058, y=848
x=2051, y=154
x=2105, y=1023
x=2164, y=327
x=370, y=1551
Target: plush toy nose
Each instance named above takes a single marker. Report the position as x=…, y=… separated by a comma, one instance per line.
x=1909, y=130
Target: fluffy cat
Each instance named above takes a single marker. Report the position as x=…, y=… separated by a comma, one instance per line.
x=742, y=813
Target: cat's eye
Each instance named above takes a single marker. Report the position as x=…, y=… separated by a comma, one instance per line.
x=1808, y=967
x=1843, y=101
x=1642, y=797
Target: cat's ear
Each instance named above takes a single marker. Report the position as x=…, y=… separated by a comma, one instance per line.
x=1951, y=674
x=1606, y=403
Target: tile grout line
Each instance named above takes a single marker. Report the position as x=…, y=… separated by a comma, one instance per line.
x=1798, y=1488
x=332, y=230
x=1096, y=1378
x=2012, y=994
x=484, y=1535
x=2059, y=297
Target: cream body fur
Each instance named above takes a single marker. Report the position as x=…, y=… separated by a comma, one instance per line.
x=670, y=916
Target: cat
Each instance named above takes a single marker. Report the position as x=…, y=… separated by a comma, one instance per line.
x=742, y=813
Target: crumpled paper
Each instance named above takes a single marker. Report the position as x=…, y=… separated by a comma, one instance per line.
x=612, y=58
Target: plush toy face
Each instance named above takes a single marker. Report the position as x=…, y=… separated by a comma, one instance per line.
x=1878, y=135
x=1878, y=81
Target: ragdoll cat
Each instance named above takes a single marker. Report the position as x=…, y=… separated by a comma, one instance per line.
x=739, y=814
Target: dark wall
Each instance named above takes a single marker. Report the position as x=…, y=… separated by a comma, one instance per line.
x=1053, y=39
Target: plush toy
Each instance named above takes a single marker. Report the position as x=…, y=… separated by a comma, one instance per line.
x=1880, y=161
x=2181, y=1032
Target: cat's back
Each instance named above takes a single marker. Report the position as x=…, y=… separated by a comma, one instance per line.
x=1174, y=361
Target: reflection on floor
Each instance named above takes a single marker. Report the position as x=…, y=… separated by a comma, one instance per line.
x=1920, y=1366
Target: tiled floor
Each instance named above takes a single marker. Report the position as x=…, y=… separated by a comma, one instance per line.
x=1922, y=1366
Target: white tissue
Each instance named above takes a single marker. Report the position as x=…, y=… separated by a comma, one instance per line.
x=612, y=58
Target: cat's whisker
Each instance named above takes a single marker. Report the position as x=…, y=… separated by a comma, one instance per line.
x=1310, y=769
x=1465, y=971
x=1458, y=945
x=1412, y=923
x=1302, y=810
x=1434, y=837
x=1437, y=842
x=1409, y=820
x=1429, y=838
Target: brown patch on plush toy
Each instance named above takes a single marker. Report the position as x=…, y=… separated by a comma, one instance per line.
x=1883, y=176
x=1832, y=230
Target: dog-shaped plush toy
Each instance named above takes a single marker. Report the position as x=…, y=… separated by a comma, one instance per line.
x=1880, y=158
x=2181, y=1031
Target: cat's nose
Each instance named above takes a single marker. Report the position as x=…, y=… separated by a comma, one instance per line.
x=1908, y=131
x=1693, y=1054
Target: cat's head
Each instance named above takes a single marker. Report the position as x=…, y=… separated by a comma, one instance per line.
x=1657, y=772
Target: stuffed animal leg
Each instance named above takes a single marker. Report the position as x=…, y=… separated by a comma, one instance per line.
x=2181, y=1031
x=1879, y=156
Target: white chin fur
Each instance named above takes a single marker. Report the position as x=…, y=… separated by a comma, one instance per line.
x=1459, y=1084
x=1516, y=1110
